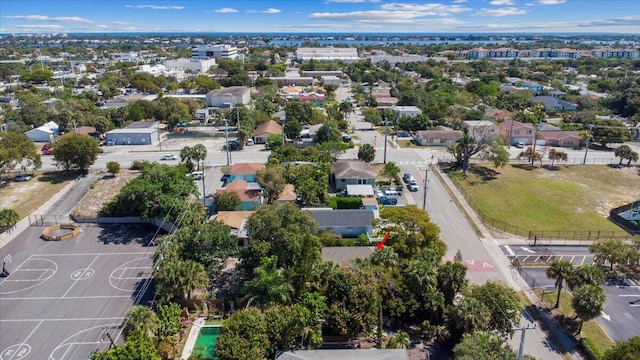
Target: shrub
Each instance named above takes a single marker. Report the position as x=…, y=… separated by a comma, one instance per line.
x=113, y=167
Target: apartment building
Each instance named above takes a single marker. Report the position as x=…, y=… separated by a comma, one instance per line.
x=219, y=51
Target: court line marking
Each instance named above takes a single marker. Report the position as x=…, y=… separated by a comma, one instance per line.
x=60, y=319
x=69, y=345
x=93, y=254
x=68, y=297
x=120, y=269
x=41, y=281
x=84, y=270
x=25, y=340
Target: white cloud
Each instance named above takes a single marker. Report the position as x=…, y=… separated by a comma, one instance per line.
x=49, y=18
x=627, y=24
x=30, y=27
x=411, y=18
x=155, y=7
x=501, y=2
x=509, y=11
x=551, y=2
x=101, y=26
x=224, y=10
x=426, y=9
x=121, y=23
x=271, y=11
x=459, y=1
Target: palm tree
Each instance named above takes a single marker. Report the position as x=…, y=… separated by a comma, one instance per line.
x=366, y=153
x=588, y=302
x=345, y=108
x=530, y=154
x=557, y=155
x=469, y=315
x=585, y=275
x=180, y=278
x=270, y=286
x=559, y=270
x=400, y=340
x=198, y=154
x=186, y=156
x=195, y=277
x=625, y=152
x=451, y=279
x=390, y=170
x=140, y=319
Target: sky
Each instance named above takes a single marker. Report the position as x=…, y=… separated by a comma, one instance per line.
x=321, y=16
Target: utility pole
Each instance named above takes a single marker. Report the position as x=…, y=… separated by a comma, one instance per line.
x=386, y=132
x=204, y=193
x=424, y=196
x=587, y=147
x=226, y=139
x=159, y=140
x=524, y=333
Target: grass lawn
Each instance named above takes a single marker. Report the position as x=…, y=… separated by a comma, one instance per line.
x=590, y=330
x=569, y=198
x=26, y=197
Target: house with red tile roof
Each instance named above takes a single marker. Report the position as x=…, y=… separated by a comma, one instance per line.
x=250, y=194
x=244, y=171
x=514, y=131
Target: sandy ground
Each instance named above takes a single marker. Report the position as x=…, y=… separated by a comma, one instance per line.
x=103, y=190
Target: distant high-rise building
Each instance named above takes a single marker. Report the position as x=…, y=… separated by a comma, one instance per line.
x=219, y=51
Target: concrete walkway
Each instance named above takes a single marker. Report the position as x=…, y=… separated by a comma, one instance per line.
x=512, y=277
x=191, y=339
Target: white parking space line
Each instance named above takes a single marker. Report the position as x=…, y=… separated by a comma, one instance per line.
x=61, y=319
x=508, y=248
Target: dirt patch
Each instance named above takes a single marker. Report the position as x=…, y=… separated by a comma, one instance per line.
x=103, y=190
x=26, y=197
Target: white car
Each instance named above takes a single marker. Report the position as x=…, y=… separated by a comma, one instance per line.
x=168, y=157
x=412, y=187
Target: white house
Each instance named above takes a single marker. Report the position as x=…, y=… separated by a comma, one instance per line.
x=347, y=55
x=481, y=129
x=219, y=51
x=407, y=110
x=228, y=97
x=195, y=65
x=44, y=133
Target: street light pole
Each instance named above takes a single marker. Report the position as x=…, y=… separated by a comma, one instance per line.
x=426, y=188
x=386, y=132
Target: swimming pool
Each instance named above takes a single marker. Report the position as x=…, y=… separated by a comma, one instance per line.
x=206, y=342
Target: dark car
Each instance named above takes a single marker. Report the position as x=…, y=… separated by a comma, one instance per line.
x=22, y=177
x=233, y=145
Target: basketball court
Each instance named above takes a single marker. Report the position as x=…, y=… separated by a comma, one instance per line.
x=69, y=299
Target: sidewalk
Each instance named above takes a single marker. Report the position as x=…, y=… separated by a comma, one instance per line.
x=504, y=267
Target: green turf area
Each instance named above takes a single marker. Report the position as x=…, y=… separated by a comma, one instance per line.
x=569, y=198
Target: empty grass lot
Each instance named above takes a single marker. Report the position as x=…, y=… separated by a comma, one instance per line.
x=567, y=198
x=25, y=197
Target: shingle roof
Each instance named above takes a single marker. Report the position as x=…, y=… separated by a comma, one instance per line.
x=440, y=133
x=233, y=90
x=233, y=219
x=269, y=127
x=245, y=168
x=548, y=135
x=352, y=169
x=343, y=218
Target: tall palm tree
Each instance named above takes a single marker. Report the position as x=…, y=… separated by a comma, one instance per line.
x=588, y=302
x=194, y=277
x=470, y=315
x=559, y=270
x=585, y=275
x=451, y=280
x=270, y=286
x=186, y=156
x=198, y=154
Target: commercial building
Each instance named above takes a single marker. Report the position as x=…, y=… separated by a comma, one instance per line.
x=138, y=133
x=195, y=65
x=347, y=55
x=44, y=133
x=219, y=51
x=228, y=97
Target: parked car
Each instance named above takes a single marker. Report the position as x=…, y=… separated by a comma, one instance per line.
x=519, y=144
x=250, y=142
x=168, y=157
x=22, y=177
x=413, y=181
x=406, y=177
x=346, y=138
x=197, y=175
x=412, y=187
x=233, y=145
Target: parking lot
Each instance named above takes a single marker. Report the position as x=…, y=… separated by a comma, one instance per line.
x=64, y=299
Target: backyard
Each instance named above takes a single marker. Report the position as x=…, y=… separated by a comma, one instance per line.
x=563, y=199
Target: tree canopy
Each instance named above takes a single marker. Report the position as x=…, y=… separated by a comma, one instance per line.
x=76, y=152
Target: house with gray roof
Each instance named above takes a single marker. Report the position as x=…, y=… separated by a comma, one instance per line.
x=351, y=172
x=553, y=103
x=346, y=222
x=438, y=136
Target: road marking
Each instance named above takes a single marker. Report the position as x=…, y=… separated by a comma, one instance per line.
x=527, y=250
x=605, y=316
x=509, y=251
x=630, y=295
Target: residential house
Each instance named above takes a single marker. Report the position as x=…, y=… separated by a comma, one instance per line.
x=553, y=103
x=533, y=87
x=514, y=131
x=263, y=130
x=557, y=93
x=407, y=111
x=237, y=221
x=345, y=222
x=228, y=97
x=244, y=171
x=363, y=191
x=250, y=194
x=559, y=138
x=481, y=129
x=351, y=172
x=498, y=114
x=317, y=99
x=438, y=136
x=44, y=133
x=288, y=194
